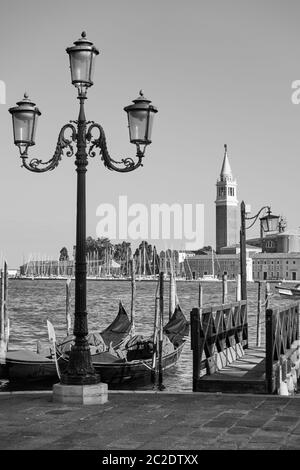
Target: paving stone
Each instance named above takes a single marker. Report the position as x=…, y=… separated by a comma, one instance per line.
x=137, y=421
x=287, y=419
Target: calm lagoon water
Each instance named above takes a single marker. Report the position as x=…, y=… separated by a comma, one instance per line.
x=31, y=303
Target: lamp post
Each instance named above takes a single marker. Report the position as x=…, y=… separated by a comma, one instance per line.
x=77, y=136
x=268, y=223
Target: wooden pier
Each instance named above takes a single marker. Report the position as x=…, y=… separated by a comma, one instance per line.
x=223, y=360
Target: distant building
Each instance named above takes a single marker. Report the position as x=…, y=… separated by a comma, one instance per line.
x=200, y=266
x=284, y=242
x=226, y=207
x=13, y=273
x=276, y=266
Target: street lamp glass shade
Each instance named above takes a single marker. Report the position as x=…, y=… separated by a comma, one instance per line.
x=82, y=58
x=270, y=223
x=24, y=117
x=140, y=120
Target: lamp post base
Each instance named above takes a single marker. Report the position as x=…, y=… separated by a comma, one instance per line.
x=87, y=379
x=96, y=394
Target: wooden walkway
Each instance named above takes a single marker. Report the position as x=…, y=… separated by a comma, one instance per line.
x=223, y=360
x=247, y=374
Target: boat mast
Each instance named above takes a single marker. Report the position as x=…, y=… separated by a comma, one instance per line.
x=133, y=290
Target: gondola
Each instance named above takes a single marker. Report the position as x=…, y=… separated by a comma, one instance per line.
x=24, y=364
x=138, y=354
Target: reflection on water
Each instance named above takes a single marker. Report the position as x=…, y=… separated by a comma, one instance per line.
x=30, y=303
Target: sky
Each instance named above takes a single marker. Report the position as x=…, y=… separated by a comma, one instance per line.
x=219, y=71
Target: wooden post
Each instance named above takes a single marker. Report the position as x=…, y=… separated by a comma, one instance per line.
x=224, y=289
x=4, y=321
x=161, y=317
x=238, y=288
x=200, y=302
x=243, y=253
x=267, y=294
x=172, y=294
x=2, y=306
x=195, y=345
x=133, y=290
x=269, y=350
x=155, y=338
x=68, y=306
x=258, y=318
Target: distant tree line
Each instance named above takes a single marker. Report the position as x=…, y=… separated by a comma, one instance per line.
x=147, y=260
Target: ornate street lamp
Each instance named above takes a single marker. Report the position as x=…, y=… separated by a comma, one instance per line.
x=268, y=223
x=80, y=142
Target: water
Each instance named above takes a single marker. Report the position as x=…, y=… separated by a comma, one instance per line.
x=31, y=303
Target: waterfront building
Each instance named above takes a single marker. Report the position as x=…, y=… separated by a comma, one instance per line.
x=276, y=266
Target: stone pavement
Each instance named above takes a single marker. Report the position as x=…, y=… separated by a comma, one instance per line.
x=147, y=420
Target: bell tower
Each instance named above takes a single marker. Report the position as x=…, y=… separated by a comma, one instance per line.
x=226, y=207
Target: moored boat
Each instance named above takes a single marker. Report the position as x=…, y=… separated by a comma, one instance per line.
x=292, y=292
x=24, y=364
x=136, y=363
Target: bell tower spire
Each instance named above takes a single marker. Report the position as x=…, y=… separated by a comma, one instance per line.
x=226, y=173
x=226, y=206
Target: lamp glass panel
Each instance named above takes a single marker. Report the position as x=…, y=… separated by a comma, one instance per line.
x=92, y=66
x=80, y=62
x=137, y=125
x=23, y=123
x=273, y=224
x=151, y=118
x=264, y=224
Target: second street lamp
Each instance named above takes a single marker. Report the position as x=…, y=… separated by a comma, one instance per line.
x=76, y=138
x=268, y=223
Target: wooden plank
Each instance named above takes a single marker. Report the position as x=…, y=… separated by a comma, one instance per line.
x=249, y=366
x=231, y=386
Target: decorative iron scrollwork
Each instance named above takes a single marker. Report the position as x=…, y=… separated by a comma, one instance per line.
x=63, y=142
x=128, y=164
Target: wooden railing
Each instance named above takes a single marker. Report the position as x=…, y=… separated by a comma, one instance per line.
x=282, y=340
x=219, y=336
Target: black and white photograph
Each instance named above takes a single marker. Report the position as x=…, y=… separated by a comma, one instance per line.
x=150, y=230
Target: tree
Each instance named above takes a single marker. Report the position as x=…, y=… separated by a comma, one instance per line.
x=206, y=250
x=63, y=256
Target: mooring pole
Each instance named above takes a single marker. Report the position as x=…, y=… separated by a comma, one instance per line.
x=258, y=331
x=4, y=321
x=161, y=319
x=68, y=306
x=238, y=288
x=243, y=253
x=200, y=300
x=224, y=289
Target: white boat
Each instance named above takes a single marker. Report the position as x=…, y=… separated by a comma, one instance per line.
x=293, y=292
